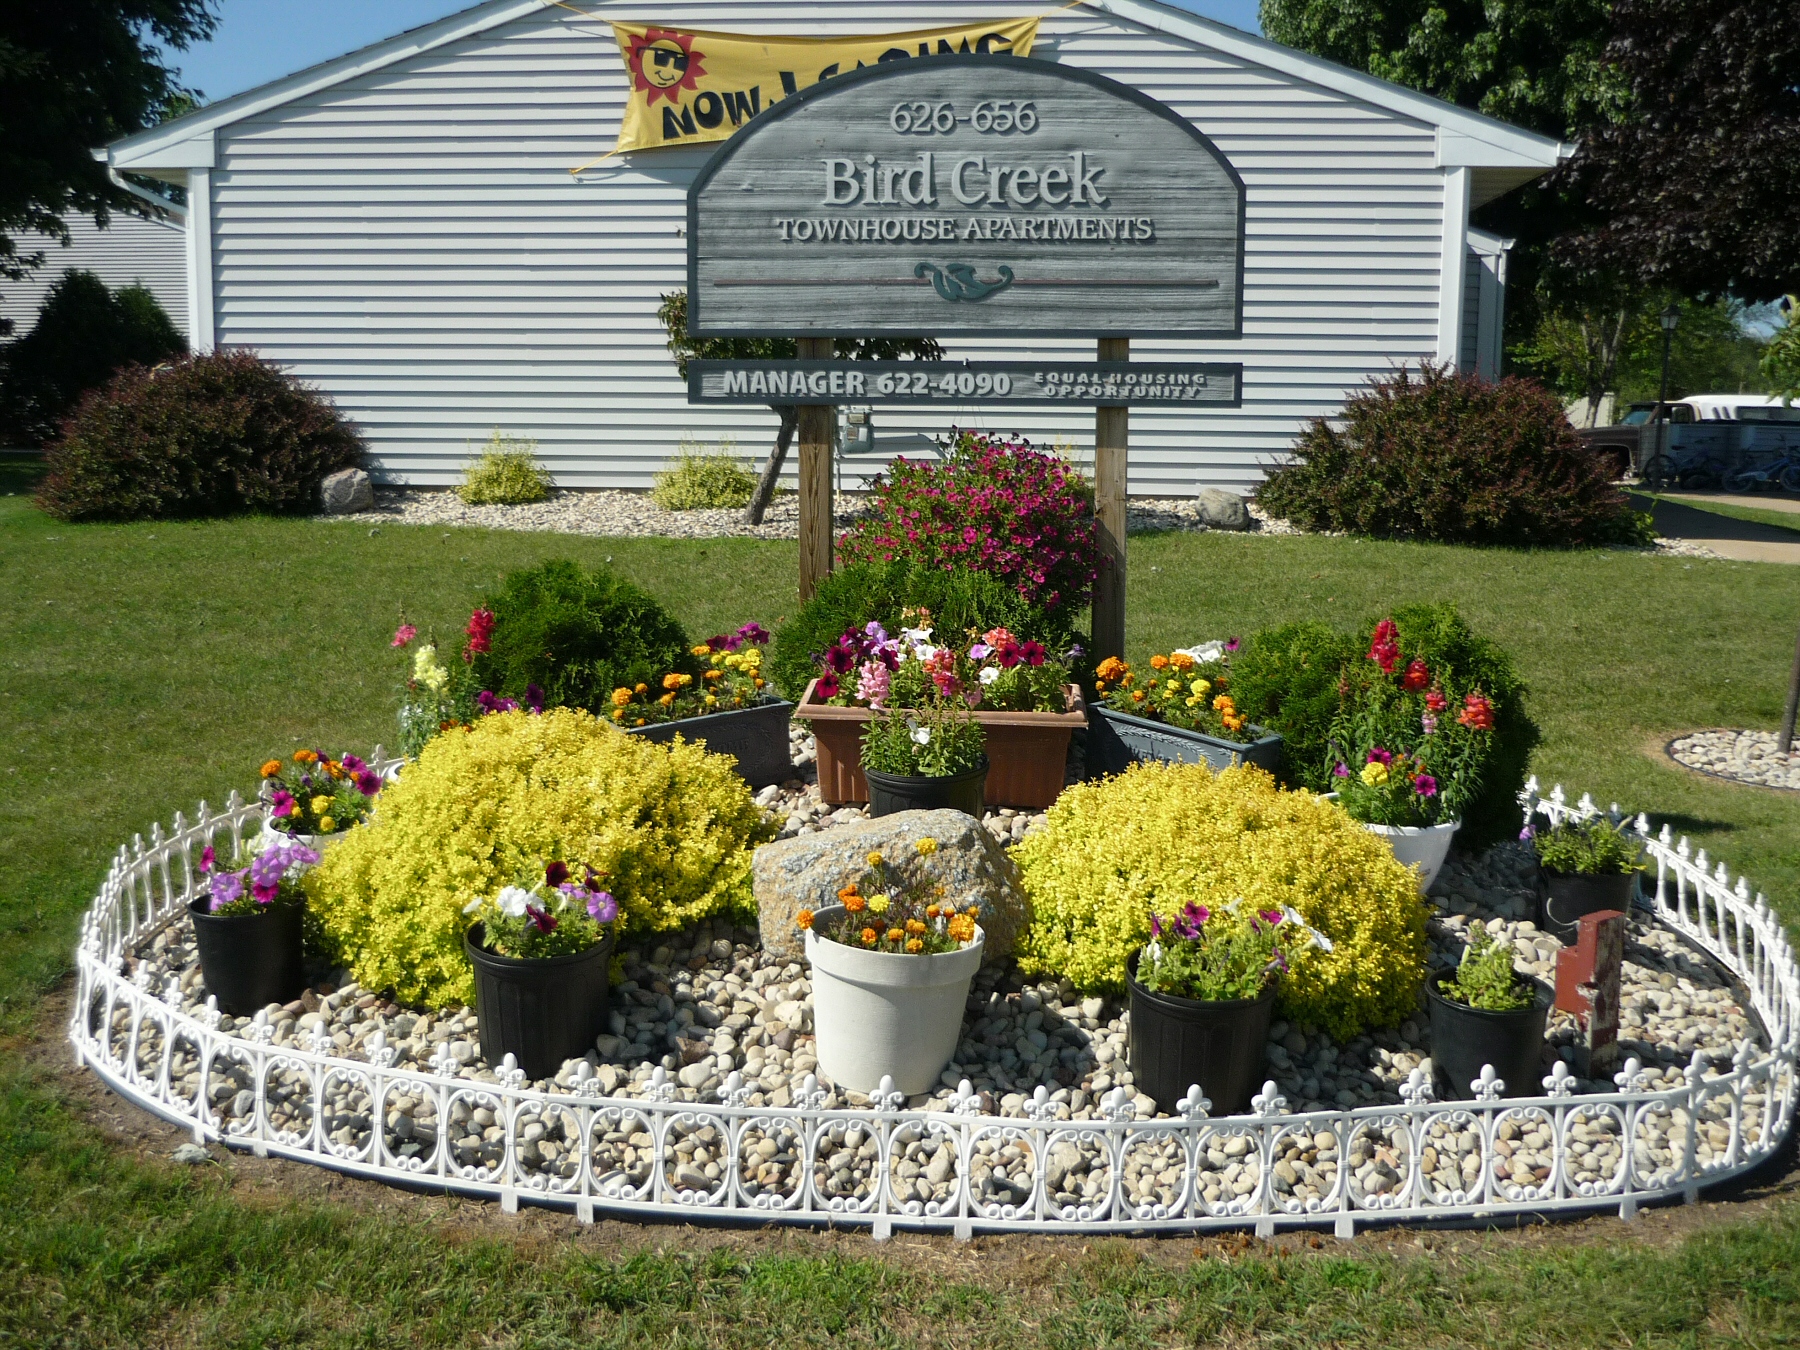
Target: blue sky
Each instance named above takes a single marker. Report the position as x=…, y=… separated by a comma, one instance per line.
x=262, y=40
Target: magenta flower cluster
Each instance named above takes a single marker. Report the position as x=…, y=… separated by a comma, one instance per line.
x=263, y=877
x=993, y=505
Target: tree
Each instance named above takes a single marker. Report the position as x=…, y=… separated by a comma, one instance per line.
x=1781, y=358
x=1694, y=186
x=673, y=315
x=74, y=75
x=84, y=333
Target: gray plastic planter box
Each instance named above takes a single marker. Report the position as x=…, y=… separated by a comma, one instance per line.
x=758, y=736
x=1118, y=740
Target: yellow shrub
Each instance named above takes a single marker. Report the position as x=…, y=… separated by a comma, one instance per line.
x=1161, y=834
x=669, y=827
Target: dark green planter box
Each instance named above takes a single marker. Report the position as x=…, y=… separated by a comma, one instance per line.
x=757, y=736
x=1118, y=740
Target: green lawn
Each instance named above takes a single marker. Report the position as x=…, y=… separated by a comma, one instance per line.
x=145, y=667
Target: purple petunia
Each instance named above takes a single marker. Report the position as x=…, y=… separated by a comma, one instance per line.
x=1380, y=756
x=1231, y=644
x=1527, y=834
x=541, y=919
x=534, y=697
x=226, y=887
x=1342, y=770
x=753, y=633
x=602, y=907
x=207, y=858
x=1425, y=785
x=1155, y=926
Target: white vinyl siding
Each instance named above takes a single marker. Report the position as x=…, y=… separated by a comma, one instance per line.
x=129, y=252
x=412, y=241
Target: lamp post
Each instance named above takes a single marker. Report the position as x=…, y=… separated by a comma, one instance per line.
x=1671, y=318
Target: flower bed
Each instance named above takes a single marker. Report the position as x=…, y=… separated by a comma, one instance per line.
x=1037, y=1159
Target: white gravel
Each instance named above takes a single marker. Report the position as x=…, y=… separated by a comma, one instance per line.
x=1743, y=756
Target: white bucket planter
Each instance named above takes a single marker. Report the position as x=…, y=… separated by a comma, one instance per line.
x=1420, y=847
x=879, y=1014
x=317, y=842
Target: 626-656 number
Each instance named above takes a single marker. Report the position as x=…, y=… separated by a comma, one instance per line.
x=995, y=117
x=951, y=382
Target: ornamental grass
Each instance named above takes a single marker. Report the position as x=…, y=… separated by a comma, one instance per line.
x=667, y=829
x=1160, y=836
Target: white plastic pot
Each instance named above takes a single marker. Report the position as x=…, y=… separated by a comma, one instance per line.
x=317, y=842
x=887, y=1013
x=1420, y=847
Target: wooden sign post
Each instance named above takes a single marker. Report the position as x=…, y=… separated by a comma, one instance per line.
x=967, y=196
x=816, y=432
x=1112, y=434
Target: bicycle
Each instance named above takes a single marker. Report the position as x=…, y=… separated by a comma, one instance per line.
x=1783, y=471
x=1693, y=469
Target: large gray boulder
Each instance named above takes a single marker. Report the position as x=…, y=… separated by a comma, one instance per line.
x=808, y=871
x=1222, y=510
x=345, y=492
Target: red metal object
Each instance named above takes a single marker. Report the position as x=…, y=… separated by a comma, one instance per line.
x=1587, y=985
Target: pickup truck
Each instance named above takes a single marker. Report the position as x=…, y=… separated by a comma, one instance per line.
x=1695, y=441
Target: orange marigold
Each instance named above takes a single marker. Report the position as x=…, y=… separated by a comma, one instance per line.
x=621, y=697
x=272, y=768
x=1158, y=662
x=671, y=681
x=915, y=927
x=895, y=935
x=1111, y=668
x=915, y=946
x=804, y=918
x=961, y=928
x=868, y=937
x=1182, y=661
x=305, y=756
x=855, y=904
x=666, y=700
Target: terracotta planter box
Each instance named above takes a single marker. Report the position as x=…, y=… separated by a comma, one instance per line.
x=1027, y=751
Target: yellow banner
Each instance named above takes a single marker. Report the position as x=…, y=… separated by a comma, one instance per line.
x=689, y=86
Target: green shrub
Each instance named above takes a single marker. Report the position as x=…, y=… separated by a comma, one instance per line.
x=1286, y=679
x=669, y=828
x=209, y=435
x=506, y=474
x=578, y=636
x=84, y=333
x=1595, y=847
x=1161, y=835
x=1452, y=458
x=701, y=480
x=959, y=600
x=1485, y=977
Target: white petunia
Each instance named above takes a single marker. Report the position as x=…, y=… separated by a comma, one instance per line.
x=921, y=735
x=475, y=904
x=513, y=900
x=989, y=674
x=1320, y=941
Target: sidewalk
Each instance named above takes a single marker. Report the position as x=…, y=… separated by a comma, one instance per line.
x=1740, y=540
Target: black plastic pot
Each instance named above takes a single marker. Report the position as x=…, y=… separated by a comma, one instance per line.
x=1177, y=1042
x=1463, y=1039
x=757, y=737
x=250, y=960
x=540, y=1012
x=1569, y=895
x=891, y=792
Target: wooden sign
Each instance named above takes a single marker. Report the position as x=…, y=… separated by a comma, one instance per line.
x=1588, y=980
x=1069, y=383
x=967, y=195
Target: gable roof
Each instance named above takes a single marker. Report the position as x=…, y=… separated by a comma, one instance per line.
x=1465, y=137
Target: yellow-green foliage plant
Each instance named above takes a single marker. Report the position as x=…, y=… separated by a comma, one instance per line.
x=1159, y=835
x=506, y=474
x=699, y=479
x=669, y=828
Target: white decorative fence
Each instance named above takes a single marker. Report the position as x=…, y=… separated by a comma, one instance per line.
x=960, y=1170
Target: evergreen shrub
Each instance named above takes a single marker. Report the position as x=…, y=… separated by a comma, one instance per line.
x=83, y=334
x=1451, y=458
x=669, y=829
x=210, y=435
x=959, y=599
x=1286, y=680
x=1161, y=835
x=577, y=635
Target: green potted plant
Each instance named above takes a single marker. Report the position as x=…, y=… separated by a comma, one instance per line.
x=1023, y=696
x=541, y=952
x=1202, y=996
x=1485, y=1012
x=1178, y=708
x=247, y=927
x=925, y=758
x=892, y=962
x=1588, y=866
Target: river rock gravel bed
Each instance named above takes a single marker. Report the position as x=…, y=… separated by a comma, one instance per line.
x=690, y=1009
x=1743, y=756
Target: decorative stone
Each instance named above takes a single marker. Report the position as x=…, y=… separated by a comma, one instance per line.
x=808, y=871
x=345, y=492
x=1222, y=510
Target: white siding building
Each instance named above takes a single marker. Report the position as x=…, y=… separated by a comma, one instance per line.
x=130, y=251
x=401, y=227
